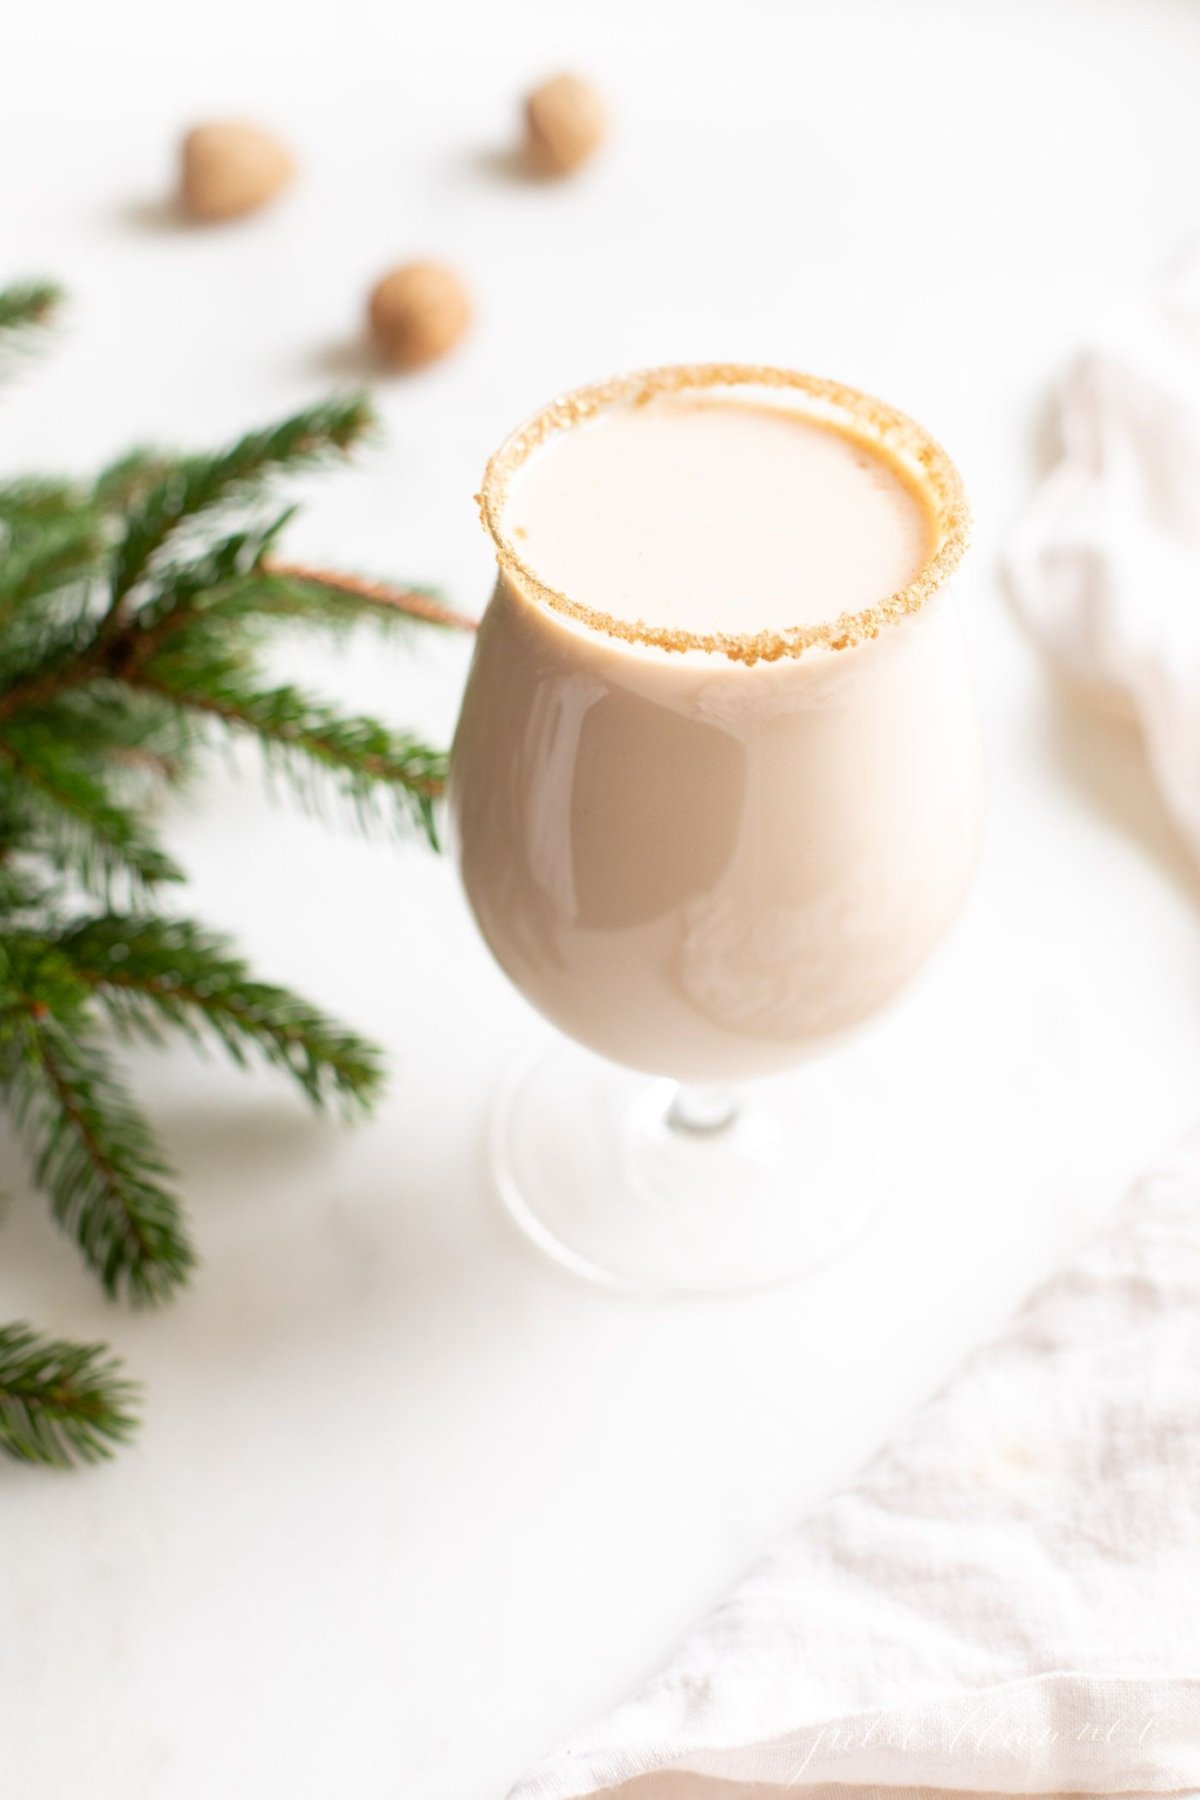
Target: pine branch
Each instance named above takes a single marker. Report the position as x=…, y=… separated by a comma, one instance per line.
x=69, y=804
x=33, y=500
x=197, y=485
x=61, y=1403
x=152, y=972
x=95, y=1157
x=20, y=891
x=131, y=614
x=129, y=478
x=124, y=730
x=26, y=305
x=67, y=659
x=37, y=564
x=214, y=584
x=303, y=736
x=26, y=310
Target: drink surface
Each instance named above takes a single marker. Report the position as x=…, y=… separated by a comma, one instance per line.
x=718, y=514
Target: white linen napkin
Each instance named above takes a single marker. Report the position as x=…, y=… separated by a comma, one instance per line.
x=1007, y=1601
x=1105, y=563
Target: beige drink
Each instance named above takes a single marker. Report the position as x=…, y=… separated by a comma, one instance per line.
x=718, y=513
x=716, y=785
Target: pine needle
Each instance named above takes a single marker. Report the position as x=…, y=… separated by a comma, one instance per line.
x=95, y=1157
x=61, y=1403
x=151, y=972
x=196, y=485
x=28, y=303
x=305, y=739
x=70, y=804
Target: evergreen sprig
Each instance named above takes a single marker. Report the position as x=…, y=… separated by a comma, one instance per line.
x=318, y=748
x=71, y=807
x=134, y=611
x=153, y=974
x=95, y=1156
x=60, y=1403
x=25, y=307
x=24, y=304
x=189, y=487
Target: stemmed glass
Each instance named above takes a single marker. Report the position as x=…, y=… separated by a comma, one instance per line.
x=705, y=857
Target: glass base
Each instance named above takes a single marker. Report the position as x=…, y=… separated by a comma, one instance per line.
x=642, y=1185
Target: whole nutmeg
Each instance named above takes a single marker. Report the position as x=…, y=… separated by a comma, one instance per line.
x=228, y=168
x=417, y=313
x=565, y=121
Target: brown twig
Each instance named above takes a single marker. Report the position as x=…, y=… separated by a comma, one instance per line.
x=120, y=646
x=405, y=600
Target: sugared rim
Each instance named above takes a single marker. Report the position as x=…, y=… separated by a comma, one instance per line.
x=900, y=438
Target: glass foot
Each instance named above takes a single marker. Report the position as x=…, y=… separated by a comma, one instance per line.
x=639, y=1184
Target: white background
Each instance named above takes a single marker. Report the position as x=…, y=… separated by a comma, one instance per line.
x=409, y=1504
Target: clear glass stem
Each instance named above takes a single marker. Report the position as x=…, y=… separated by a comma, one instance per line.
x=702, y=1189
x=701, y=1109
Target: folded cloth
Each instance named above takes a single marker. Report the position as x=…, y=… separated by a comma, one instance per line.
x=1104, y=564
x=1007, y=1602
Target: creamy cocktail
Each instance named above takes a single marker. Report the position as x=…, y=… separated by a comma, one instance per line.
x=717, y=783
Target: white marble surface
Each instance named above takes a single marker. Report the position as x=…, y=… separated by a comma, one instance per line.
x=409, y=1504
